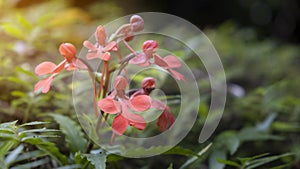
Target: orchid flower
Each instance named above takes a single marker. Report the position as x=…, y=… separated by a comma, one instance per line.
x=120, y=104
x=68, y=51
x=168, y=63
x=102, y=48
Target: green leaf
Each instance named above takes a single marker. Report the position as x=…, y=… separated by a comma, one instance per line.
x=98, y=160
x=227, y=162
x=13, y=31
x=170, y=166
x=10, y=125
x=213, y=163
x=74, y=136
x=181, y=151
x=29, y=155
x=38, y=136
x=24, y=22
x=5, y=146
x=34, y=123
x=49, y=148
x=38, y=130
x=228, y=140
x=259, y=162
x=193, y=159
x=32, y=164
x=14, y=154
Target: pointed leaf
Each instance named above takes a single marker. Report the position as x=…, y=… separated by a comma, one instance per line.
x=98, y=160
x=74, y=135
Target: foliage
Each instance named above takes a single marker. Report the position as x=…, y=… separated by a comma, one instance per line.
x=259, y=129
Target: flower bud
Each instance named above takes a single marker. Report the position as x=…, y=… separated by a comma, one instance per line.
x=150, y=46
x=137, y=23
x=68, y=50
x=148, y=82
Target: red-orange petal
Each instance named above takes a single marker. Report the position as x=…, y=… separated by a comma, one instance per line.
x=160, y=61
x=140, y=103
x=111, y=46
x=44, y=85
x=165, y=120
x=109, y=105
x=172, y=61
x=176, y=75
x=44, y=68
x=119, y=125
x=120, y=83
x=100, y=35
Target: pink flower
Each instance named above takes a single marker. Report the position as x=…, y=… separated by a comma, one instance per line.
x=166, y=119
x=102, y=48
x=118, y=103
x=68, y=51
x=169, y=62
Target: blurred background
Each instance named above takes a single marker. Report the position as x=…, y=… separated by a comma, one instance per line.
x=257, y=40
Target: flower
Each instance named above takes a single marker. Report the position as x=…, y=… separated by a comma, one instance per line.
x=118, y=103
x=102, y=48
x=68, y=51
x=169, y=62
x=166, y=119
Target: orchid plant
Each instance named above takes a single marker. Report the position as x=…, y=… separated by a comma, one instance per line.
x=121, y=103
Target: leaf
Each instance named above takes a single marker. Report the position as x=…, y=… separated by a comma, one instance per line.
x=38, y=130
x=10, y=125
x=29, y=155
x=98, y=160
x=213, y=163
x=32, y=164
x=74, y=136
x=181, y=151
x=48, y=147
x=5, y=146
x=24, y=22
x=227, y=162
x=34, y=123
x=193, y=159
x=228, y=140
x=258, y=162
x=14, y=154
x=13, y=31
x=170, y=166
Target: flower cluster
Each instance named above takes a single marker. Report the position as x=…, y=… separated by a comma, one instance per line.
x=124, y=105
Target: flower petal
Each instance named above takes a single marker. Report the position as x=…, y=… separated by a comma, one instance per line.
x=100, y=35
x=111, y=46
x=135, y=120
x=120, y=83
x=176, y=75
x=89, y=45
x=140, y=103
x=44, y=84
x=172, y=61
x=119, y=124
x=157, y=104
x=44, y=68
x=160, y=61
x=139, y=59
x=109, y=105
x=165, y=120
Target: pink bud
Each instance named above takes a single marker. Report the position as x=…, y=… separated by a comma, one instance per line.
x=68, y=50
x=148, y=82
x=137, y=23
x=150, y=46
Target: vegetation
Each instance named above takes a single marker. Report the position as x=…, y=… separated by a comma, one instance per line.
x=259, y=129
